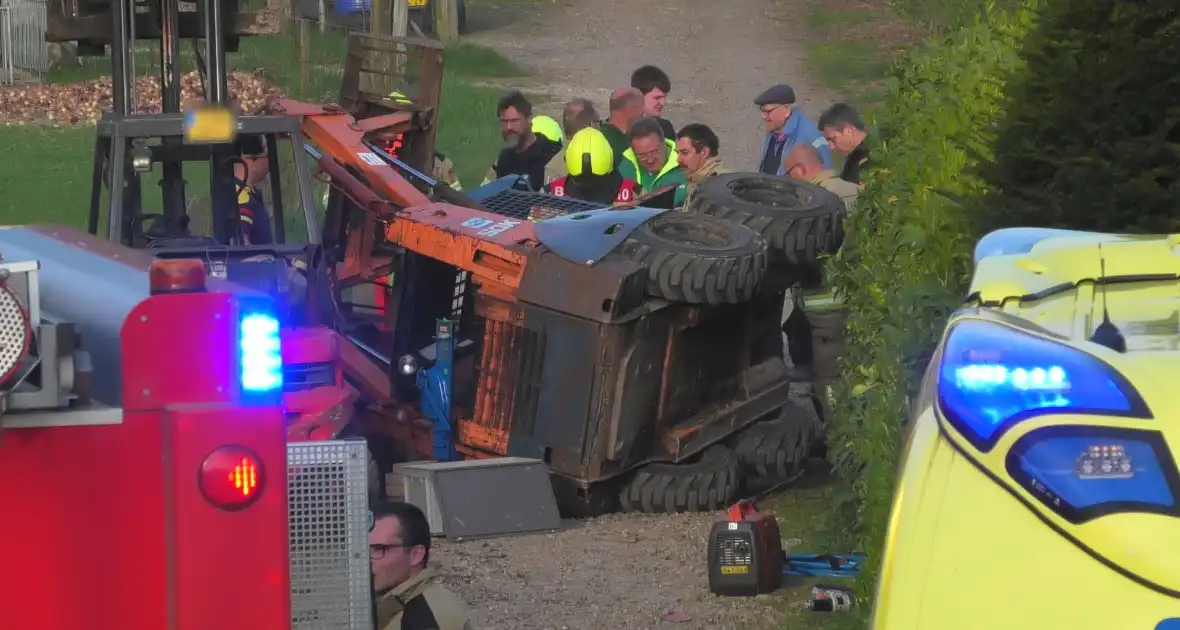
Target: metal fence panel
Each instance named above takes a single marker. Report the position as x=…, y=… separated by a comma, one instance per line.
x=22, y=39
x=329, y=506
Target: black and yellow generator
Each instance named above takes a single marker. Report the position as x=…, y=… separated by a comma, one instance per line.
x=745, y=553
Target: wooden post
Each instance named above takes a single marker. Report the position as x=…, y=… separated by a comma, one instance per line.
x=305, y=56
x=323, y=16
x=400, y=25
x=446, y=21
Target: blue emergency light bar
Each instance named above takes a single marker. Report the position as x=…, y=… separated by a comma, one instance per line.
x=261, y=356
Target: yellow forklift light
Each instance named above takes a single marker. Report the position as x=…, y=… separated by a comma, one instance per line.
x=206, y=124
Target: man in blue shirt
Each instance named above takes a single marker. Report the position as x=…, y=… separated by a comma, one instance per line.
x=785, y=128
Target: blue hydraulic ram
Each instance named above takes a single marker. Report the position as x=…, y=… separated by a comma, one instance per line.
x=435, y=383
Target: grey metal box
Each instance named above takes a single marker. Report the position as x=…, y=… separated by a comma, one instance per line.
x=482, y=497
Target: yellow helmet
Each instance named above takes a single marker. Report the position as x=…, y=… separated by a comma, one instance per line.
x=546, y=126
x=589, y=149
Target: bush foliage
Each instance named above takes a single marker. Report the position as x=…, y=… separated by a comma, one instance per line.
x=906, y=259
x=1091, y=138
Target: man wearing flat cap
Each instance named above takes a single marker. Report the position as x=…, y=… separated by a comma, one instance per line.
x=785, y=128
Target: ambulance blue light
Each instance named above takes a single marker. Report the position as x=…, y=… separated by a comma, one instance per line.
x=993, y=376
x=1083, y=472
x=261, y=354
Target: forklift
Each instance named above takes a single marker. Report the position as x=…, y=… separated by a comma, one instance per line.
x=212, y=137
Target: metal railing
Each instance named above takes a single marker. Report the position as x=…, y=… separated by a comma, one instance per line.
x=23, y=51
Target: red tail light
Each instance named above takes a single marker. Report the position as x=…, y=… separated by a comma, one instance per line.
x=231, y=478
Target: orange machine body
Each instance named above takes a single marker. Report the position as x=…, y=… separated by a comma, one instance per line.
x=558, y=360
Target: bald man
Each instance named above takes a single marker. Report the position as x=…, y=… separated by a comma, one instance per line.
x=814, y=329
x=804, y=163
x=626, y=106
x=577, y=115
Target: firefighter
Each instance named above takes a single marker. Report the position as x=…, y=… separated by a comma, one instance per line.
x=589, y=160
x=409, y=595
x=575, y=116
x=253, y=216
x=546, y=126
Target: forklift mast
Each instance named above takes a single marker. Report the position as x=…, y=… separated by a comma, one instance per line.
x=129, y=142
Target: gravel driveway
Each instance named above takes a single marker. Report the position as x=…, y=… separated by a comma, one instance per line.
x=621, y=571
x=629, y=571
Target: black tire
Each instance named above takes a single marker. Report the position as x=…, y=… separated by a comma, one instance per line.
x=705, y=485
x=775, y=450
x=698, y=259
x=800, y=221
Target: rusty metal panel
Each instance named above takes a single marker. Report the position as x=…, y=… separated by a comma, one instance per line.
x=611, y=290
x=509, y=368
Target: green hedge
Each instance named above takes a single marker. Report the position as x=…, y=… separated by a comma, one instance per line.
x=906, y=259
x=1091, y=138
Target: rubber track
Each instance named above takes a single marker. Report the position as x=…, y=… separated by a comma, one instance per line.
x=705, y=486
x=773, y=449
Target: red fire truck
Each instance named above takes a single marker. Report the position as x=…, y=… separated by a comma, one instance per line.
x=143, y=457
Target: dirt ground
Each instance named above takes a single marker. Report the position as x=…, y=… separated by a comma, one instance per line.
x=631, y=571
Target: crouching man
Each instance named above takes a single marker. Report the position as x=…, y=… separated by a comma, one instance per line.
x=589, y=160
x=409, y=595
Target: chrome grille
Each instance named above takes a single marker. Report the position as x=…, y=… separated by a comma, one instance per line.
x=329, y=507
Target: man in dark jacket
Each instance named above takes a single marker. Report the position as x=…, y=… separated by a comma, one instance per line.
x=655, y=86
x=409, y=595
x=846, y=134
x=525, y=153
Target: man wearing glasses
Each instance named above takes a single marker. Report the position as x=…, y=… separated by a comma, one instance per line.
x=409, y=596
x=786, y=128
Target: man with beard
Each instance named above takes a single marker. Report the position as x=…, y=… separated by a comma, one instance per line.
x=525, y=153
x=589, y=160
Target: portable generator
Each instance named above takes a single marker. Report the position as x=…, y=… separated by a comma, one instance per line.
x=745, y=553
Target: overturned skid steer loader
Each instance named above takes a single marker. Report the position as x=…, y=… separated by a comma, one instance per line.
x=629, y=349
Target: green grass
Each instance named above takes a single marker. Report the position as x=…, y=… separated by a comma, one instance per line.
x=846, y=67
x=51, y=180
x=846, y=52
x=820, y=19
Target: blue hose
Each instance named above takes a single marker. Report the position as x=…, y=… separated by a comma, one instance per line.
x=822, y=565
